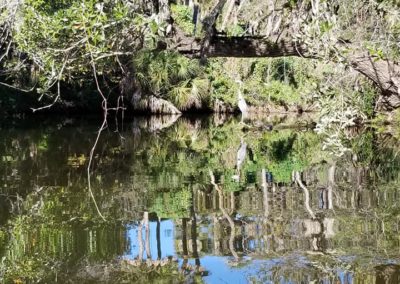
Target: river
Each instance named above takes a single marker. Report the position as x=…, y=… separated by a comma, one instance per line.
x=196, y=200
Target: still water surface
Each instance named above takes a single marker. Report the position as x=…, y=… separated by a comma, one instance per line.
x=195, y=200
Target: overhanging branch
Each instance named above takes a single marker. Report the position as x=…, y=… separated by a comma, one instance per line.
x=209, y=27
x=384, y=73
x=220, y=46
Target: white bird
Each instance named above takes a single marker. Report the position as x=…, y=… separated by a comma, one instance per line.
x=241, y=154
x=240, y=157
x=241, y=101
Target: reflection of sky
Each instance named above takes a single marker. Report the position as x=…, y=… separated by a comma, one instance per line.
x=219, y=268
x=167, y=236
x=221, y=272
x=260, y=271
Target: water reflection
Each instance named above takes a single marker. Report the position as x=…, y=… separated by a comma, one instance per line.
x=196, y=199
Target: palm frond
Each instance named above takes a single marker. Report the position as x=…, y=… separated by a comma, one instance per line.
x=190, y=93
x=181, y=95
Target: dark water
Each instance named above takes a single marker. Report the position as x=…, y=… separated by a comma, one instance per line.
x=196, y=200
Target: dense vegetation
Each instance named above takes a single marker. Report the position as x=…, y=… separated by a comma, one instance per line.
x=74, y=53
x=69, y=196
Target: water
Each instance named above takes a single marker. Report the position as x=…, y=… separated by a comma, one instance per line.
x=196, y=200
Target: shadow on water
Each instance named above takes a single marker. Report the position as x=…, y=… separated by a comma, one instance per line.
x=191, y=199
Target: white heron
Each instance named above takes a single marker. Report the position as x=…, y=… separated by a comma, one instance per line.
x=242, y=102
x=240, y=157
x=241, y=154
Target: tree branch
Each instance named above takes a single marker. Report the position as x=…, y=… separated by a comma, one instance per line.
x=209, y=27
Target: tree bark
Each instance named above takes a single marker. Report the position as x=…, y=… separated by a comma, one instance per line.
x=246, y=46
x=384, y=73
x=209, y=27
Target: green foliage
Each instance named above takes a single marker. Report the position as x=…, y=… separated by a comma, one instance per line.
x=182, y=15
x=283, y=82
x=396, y=123
x=286, y=153
x=223, y=86
x=172, y=205
x=363, y=147
x=235, y=30
x=65, y=38
x=172, y=76
x=190, y=94
x=368, y=96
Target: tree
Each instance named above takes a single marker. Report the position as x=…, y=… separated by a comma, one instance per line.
x=329, y=30
x=69, y=41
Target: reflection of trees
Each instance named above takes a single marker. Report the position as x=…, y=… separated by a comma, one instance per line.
x=265, y=193
x=184, y=243
x=167, y=171
x=145, y=223
x=158, y=237
x=186, y=268
x=306, y=195
x=227, y=217
x=193, y=232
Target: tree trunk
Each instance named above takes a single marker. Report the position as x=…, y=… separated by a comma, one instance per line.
x=226, y=215
x=306, y=195
x=384, y=73
x=164, y=14
x=246, y=46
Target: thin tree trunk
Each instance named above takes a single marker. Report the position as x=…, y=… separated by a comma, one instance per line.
x=227, y=217
x=158, y=237
x=147, y=234
x=306, y=195
x=265, y=193
x=164, y=14
x=194, y=234
x=184, y=243
x=216, y=235
x=228, y=14
x=140, y=241
x=331, y=184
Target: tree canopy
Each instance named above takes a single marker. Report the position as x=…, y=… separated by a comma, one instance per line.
x=136, y=47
